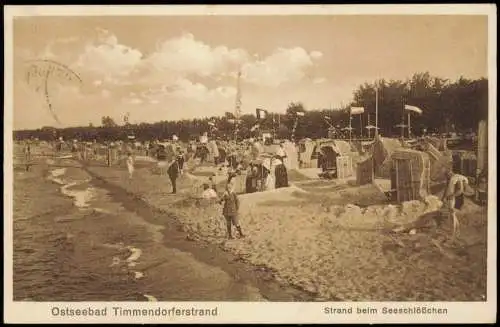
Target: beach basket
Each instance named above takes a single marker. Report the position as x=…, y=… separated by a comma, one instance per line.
x=344, y=167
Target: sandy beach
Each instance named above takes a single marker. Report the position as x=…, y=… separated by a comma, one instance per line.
x=310, y=237
x=77, y=240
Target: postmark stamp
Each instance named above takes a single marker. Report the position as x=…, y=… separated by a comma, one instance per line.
x=40, y=73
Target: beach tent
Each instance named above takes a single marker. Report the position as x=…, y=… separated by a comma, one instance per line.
x=202, y=151
x=333, y=161
x=410, y=175
x=221, y=148
x=440, y=160
x=328, y=155
x=439, y=143
x=344, y=147
x=213, y=151
x=264, y=165
x=165, y=152
x=308, y=156
x=292, y=157
x=382, y=149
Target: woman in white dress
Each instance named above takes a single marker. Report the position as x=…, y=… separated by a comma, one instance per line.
x=271, y=178
x=130, y=165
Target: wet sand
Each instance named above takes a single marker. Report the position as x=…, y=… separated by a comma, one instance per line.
x=107, y=247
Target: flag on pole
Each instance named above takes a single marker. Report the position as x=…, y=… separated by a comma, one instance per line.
x=357, y=110
x=254, y=127
x=414, y=109
x=261, y=113
x=300, y=113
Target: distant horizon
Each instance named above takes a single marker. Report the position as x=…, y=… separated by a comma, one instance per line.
x=185, y=67
x=121, y=124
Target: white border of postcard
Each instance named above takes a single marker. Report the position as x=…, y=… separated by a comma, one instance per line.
x=252, y=312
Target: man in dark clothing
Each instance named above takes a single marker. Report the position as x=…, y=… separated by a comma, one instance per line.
x=27, y=156
x=213, y=185
x=230, y=210
x=174, y=170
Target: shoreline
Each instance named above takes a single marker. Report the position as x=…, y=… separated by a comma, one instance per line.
x=175, y=236
x=102, y=244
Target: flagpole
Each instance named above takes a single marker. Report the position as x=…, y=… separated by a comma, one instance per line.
x=403, y=118
x=368, y=124
x=376, y=110
x=237, y=109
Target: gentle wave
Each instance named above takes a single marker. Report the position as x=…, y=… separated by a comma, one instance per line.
x=150, y=298
x=81, y=198
x=134, y=256
x=131, y=261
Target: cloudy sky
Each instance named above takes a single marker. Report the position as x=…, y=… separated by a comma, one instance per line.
x=168, y=68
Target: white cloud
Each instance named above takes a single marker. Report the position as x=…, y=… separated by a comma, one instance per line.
x=319, y=80
x=186, y=55
x=109, y=58
x=185, y=89
x=133, y=101
x=316, y=54
x=282, y=66
x=178, y=58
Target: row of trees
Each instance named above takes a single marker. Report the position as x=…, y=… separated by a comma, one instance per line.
x=447, y=106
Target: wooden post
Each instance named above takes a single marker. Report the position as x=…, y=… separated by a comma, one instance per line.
x=376, y=110
x=397, y=180
x=360, y=126
x=409, y=126
x=482, y=146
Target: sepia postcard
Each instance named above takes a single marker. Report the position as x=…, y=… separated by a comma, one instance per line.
x=250, y=164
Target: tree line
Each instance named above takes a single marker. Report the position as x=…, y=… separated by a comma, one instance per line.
x=446, y=106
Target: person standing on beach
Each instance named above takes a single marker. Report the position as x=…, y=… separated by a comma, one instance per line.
x=280, y=174
x=280, y=152
x=454, y=195
x=231, y=205
x=130, y=165
x=174, y=170
x=213, y=185
x=27, y=155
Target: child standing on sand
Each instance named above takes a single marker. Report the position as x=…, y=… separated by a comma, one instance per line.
x=130, y=165
x=230, y=210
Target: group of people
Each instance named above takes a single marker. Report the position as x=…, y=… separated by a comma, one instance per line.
x=174, y=170
x=261, y=176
